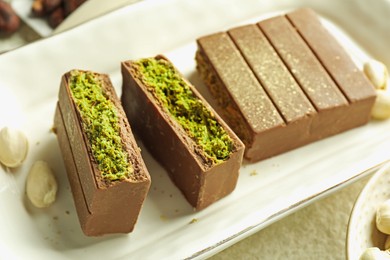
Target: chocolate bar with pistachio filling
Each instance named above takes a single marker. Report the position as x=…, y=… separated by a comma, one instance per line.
x=283, y=82
x=181, y=130
x=107, y=175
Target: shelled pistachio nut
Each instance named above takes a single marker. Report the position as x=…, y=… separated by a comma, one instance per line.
x=41, y=185
x=377, y=73
x=381, y=108
x=13, y=147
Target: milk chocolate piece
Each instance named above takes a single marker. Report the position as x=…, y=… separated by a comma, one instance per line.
x=351, y=81
x=276, y=79
x=324, y=94
x=289, y=75
x=103, y=206
x=201, y=180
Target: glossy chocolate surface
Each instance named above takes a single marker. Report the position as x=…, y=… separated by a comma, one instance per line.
x=311, y=86
x=200, y=182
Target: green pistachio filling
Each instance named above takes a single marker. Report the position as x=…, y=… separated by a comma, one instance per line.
x=100, y=120
x=177, y=98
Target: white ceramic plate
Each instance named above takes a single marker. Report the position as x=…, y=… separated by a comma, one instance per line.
x=362, y=232
x=167, y=227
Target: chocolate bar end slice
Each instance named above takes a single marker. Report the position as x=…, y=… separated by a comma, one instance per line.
x=200, y=180
x=103, y=206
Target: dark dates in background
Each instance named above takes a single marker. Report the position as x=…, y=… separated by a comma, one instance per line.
x=55, y=11
x=9, y=21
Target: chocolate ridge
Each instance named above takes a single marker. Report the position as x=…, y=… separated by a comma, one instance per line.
x=230, y=105
x=331, y=54
x=272, y=73
x=298, y=58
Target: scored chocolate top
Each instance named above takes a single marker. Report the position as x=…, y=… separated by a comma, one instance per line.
x=335, y=59
x=254, y=103
x=284, y=69
x=299, y=59
x=271, y=72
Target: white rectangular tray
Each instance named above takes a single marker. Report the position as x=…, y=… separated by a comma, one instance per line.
x=167, y=227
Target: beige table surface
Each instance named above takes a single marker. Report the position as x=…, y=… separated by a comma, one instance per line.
x=315, y=232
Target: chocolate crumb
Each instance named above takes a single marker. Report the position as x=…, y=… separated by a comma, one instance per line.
x=194, y=220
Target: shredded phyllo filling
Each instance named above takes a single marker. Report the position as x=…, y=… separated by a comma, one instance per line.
x=177, y=98
x=100, y=123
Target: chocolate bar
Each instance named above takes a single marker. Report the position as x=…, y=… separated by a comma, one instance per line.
x=283, y=82
x=181, y=130
x=107, y=175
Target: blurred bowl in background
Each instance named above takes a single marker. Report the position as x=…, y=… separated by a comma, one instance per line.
x=362, y=232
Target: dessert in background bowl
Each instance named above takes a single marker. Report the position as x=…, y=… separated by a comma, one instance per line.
x=55, y=11
x=362, y=230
